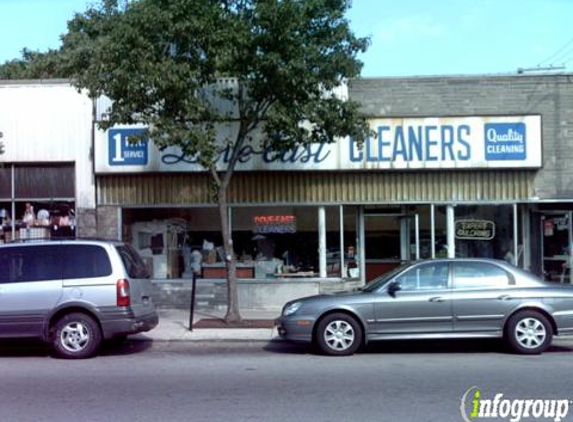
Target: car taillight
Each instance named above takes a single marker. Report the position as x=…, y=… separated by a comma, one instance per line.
x=123, y=296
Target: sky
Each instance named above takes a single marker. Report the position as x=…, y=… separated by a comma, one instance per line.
x=408, y=37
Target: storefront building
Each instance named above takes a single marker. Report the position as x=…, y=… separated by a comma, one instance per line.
x=461, y=166
x=473, y=166
x=46, y=171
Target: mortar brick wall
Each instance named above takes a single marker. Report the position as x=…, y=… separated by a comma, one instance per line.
x=550, y=96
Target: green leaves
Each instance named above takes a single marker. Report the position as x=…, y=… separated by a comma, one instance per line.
x=183, y=66
x=34, y=65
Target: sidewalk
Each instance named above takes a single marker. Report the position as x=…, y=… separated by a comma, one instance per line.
x=174, y=326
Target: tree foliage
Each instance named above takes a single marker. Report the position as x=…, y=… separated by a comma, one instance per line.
x=34, y=65
x=154, y=58
x=161, y=62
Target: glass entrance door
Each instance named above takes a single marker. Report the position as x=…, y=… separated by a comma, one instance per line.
x=390, y=240
x=556, y=229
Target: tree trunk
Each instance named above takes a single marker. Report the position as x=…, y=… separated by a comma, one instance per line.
x=233, y=314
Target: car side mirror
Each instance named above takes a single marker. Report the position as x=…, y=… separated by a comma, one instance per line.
x=393, y=288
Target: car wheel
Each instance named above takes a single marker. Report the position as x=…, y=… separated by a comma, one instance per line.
x=339, y=334
x=529, y=333
x=76, y=336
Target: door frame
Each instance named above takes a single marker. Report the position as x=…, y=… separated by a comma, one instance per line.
x=568, y=259
x=408, y=224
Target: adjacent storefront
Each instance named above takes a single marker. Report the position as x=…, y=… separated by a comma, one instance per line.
x=46, y=176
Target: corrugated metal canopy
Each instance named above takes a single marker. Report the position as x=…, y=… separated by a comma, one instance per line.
x=319, y=187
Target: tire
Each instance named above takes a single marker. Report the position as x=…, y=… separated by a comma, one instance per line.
x=529, y=333
x=339, y=335
x=76, y=336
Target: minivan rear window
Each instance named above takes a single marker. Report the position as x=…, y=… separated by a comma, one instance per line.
x=132, y=262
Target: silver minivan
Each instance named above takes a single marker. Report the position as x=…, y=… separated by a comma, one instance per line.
x=74, y=294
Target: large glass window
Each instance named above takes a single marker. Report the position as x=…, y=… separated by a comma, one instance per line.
x=42, y=206
x=270, y=242
x=173, y=242
x=484, y=231
x=352, y=252
x=277, y=241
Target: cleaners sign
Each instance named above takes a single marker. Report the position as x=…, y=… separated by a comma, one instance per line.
x=398, y=144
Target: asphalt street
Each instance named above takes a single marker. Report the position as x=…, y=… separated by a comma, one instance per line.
x=271, y=381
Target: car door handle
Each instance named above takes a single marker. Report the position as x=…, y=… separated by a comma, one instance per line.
x=437, y=299
x=504, y=297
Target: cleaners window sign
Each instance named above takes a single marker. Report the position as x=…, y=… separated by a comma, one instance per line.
x=472, y=142
x=279, y=224
x=475, y=230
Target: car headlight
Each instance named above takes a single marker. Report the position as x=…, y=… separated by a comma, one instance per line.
x=292, y=308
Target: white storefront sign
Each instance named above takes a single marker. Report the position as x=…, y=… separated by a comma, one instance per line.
x=400, y=144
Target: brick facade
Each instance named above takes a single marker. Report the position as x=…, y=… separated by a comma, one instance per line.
x=550, y=96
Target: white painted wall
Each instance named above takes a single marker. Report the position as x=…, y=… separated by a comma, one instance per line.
x=49, y=121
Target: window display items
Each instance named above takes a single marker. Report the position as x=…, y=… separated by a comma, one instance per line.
x=29, y=217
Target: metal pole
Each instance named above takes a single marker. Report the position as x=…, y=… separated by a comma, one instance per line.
x=417, y=234
x=322, y=241
x=341, y=228
x=451, y=231
x=515, y=236
x=432, y=231
x=13, y=193
x=361, y=251
x=192, y=305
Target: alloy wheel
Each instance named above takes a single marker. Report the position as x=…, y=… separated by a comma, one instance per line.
x=75, y=336
x=339, y=335
x=530, y=333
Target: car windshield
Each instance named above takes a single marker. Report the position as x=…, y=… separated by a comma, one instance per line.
x=383, y=279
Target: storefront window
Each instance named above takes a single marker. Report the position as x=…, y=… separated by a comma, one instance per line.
x=557, y=234
x=279, y=242
x=483, y=231
x=270, y=243
x=176, y=242
x=382, y=239
x=37, y=220
x=38, y=202
x=334, y=265
x=352, y=253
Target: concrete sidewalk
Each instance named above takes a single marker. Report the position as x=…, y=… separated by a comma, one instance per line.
x=174, y=326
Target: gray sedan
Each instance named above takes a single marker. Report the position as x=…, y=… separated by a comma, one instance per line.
x=442, y=298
